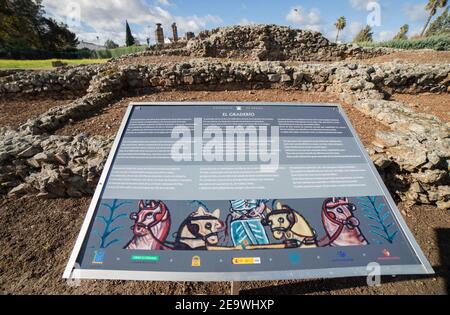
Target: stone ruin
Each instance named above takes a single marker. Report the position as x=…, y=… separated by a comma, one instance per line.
x=413, y=158
x=266, y=43
x=159, y=34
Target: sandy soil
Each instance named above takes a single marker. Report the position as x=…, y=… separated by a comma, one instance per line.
x=36, y=239
x=108, y=121
x=434, y=104
x=15, y=112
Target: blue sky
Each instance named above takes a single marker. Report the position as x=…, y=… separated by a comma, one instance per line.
x=96, y=21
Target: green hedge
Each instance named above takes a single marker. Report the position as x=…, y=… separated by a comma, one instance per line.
x=117, y=52
x=440, y=42
x=32, y=54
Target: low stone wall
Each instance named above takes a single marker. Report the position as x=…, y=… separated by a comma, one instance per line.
x=50, y=166
x=67, y=80
x=414, y=159
x=8, y=72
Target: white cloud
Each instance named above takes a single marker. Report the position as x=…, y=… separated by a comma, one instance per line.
x=165, y=2
x=384, y=35
x=245, y=21
x=415, y=12
x=106, y=18
x=305, y=19
x=313, y=20
x=360, y=4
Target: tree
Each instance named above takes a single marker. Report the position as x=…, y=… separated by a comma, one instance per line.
x=20, y=23
x=23, y=26
x=365, y=35
x=432, y=7
x=109, y=44
x=56, y=36
x=129, y=39
x=440, y=26
x=401, y=35
x=340, y=24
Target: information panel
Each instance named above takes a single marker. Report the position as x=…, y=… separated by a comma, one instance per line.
x=238, y=191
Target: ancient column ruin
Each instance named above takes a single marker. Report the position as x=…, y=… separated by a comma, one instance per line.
x=159, y=34
x=175, y=32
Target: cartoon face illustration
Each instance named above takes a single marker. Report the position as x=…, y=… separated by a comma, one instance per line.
x=150, y=213
x=151, y=226
x=199, y=230
x=248, y=208
x=341, y=210
x=206, y=225
x=288, y=225
x=280, y=221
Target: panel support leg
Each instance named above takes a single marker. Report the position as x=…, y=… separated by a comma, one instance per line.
x=235, y=287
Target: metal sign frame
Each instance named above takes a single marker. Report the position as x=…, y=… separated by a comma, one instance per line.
x=72, y=270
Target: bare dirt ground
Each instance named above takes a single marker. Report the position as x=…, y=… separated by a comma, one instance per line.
x=15, y=112
x=428, y=103
x=107, y=122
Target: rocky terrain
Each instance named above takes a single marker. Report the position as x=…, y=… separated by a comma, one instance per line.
x=414, y=159
x=51, y=154
x=264, y=43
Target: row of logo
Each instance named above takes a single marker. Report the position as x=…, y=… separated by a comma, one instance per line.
x=294, y=258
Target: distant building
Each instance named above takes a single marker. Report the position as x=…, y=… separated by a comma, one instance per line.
x=190, y=35
x=91, y=46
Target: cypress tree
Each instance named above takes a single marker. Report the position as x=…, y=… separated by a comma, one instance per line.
x=129, y=39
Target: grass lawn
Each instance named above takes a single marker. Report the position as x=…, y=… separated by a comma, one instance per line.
x=44, y=64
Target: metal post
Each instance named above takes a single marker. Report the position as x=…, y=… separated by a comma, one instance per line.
x=235, y=287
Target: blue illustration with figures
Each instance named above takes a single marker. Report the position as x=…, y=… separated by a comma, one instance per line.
x=248, y=232
x=244, y=224
x=247, y=216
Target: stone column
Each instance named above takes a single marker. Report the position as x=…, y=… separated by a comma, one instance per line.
x=175, y=32
x=159, y=34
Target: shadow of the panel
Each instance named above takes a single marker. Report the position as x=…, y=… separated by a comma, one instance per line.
x=443, y=238
x=330, y=285
x=327, y=285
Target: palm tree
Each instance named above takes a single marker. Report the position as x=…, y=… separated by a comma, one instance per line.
x=401, y=35
x=340, y=25
x=432, y=7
